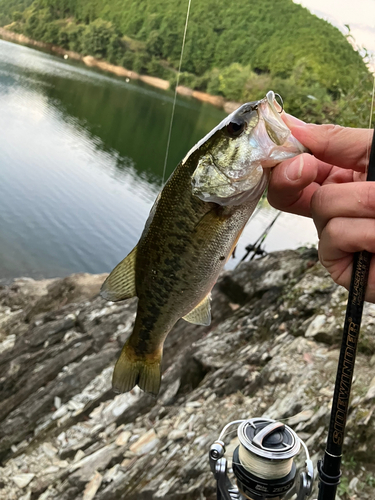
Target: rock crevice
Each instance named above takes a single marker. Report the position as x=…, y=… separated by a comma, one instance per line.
x=271, y=350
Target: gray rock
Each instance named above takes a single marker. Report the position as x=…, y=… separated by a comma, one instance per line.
x=64, y=434
x=82, y=471
x=22, y=480
x=176, y=435
x=146, y=443
x=92, y=487
x=316, y=326
x=371, y=391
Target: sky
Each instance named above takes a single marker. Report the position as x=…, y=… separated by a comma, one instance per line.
x=358, y=14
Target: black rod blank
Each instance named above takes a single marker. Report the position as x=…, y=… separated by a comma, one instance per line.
x=329, y=467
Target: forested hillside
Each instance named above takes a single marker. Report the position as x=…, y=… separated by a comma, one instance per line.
x=237, y=50
x=8, y=7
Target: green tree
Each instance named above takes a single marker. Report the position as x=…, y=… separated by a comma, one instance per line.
x=154, y=44
x=100, y=39
x=237, y=50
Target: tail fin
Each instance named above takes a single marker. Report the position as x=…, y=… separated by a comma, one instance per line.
x=131, y=370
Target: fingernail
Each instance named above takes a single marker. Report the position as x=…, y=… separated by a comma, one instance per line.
x=291, y=121
x=293, y=171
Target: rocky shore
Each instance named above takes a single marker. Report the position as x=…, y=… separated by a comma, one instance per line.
x=119, y=71
x=271, y=350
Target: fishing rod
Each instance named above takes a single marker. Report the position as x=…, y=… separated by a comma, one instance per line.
x=329, y=467
x=263, y=463
x=256, y=247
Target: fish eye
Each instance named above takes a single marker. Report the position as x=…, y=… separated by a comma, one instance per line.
x=235, y=129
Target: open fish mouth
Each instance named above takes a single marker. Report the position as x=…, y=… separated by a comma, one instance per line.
x=271, y=98
x=272, y=135
x=238, y=153
x=186, y=242
x=274, y=100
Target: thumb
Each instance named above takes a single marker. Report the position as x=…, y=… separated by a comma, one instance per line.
x=342, y=146
x=292, y=183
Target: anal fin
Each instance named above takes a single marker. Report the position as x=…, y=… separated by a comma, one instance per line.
x=201, y=314
x=120, y=284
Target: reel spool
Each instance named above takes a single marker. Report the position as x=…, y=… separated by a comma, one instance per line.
x=263, y=463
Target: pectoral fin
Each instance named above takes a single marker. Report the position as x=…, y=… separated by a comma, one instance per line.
x=201, y=314
x=233, y=249
x=120, y=284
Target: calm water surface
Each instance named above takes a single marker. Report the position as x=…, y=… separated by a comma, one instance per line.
x=81, y=160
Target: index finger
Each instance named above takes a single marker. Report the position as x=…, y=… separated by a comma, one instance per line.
x=342, y=146
x=352, y=200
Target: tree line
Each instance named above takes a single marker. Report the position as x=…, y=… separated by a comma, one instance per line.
x=238, y=50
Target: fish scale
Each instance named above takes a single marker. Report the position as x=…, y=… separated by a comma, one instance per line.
x=191, y=231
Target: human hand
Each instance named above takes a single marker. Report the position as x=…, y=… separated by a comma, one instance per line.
x=325, y=187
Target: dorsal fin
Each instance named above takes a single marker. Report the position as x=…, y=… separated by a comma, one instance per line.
x=201, y=314
x=120, y=284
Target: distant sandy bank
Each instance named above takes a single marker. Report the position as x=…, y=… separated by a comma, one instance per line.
x=92, y=62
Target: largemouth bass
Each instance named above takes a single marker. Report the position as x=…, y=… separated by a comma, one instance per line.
x=192, y=229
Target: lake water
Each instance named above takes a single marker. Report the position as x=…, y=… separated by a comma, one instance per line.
x=81, y=161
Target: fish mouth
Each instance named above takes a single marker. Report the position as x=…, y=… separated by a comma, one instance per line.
x=259, y=140
x=277, y=107
x=271, y=99
x=272, y=134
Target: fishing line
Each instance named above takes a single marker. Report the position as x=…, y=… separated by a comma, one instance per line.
x=330, y=467
x=372, y=104
x=175, y=92
x=262, y=467
x=266, y=468
x=370, y=124
x=263, y=464
x=226, y=432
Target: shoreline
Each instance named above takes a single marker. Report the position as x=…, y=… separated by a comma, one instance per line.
x=120, y=71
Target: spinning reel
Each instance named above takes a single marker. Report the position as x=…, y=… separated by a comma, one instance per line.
x=263, y=463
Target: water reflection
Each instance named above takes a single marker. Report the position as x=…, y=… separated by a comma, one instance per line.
x=81, y=159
